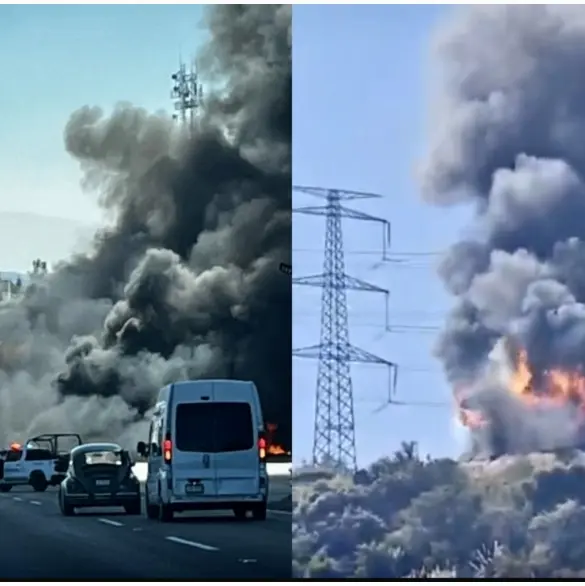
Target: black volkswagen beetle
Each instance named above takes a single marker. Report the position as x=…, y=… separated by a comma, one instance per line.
x=100, y=475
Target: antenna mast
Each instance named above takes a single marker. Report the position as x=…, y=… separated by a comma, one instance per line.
x=188, y=95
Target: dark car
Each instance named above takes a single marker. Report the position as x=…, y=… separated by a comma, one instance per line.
x=100, y=475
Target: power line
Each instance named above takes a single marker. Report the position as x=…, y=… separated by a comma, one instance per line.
x=374, y=253
x=394, y=260
x=400, y=261
x=430, y=404
x=420, y=317
x=380, y=323
x=412, y=369
x=334, y=436
x=398, y=328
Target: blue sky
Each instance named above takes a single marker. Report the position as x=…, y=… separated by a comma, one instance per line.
x=361, y=96
x=57, y=58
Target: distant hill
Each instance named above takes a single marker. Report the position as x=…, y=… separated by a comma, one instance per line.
x=25, y=236
x=13, y=276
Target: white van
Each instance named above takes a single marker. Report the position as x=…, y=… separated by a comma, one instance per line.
x=206, y=450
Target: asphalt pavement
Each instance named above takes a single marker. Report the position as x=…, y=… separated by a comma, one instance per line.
x=37, y=542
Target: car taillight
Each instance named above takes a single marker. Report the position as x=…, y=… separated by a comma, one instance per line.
x=167, y=450
x=262, y=447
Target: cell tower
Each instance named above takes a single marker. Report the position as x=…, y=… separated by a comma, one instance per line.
x=188, y=95
x=334, y=434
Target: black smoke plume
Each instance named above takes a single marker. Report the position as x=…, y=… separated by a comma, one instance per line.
x=508, y=141
x=185, y=283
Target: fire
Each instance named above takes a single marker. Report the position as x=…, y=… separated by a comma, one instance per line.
x=468, y=417
x=471, y=418
x=555, y=388
x=552, y=388
x=276, y=450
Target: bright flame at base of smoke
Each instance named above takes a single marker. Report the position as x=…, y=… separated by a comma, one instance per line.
x=548, y=390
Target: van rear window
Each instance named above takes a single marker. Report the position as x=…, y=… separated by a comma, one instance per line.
x=214, y=427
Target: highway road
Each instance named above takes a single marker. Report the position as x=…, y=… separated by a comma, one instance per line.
x=37, y=542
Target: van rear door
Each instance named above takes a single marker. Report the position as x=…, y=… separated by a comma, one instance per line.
x=193, y=470
x=236, y=459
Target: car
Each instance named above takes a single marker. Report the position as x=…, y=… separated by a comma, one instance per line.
x=100, y=475
x=206, y=450
x=40, y=462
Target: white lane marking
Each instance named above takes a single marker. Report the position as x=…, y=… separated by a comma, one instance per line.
x=191, y=543
x=112, y=523
x=37, y=503
x=277, y=512
x=17, y=498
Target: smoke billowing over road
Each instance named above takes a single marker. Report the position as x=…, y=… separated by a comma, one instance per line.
x=508, y=141
x=186, y=282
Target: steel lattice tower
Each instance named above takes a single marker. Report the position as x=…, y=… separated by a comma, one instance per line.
x=334, y=434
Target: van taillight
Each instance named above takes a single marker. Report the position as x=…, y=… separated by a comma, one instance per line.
x=167, y=450
x=262, y=447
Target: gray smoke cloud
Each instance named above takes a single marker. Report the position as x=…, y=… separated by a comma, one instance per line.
x=508, y=142
x=185, y=284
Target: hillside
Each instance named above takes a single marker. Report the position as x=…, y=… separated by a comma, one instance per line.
x=518, y=516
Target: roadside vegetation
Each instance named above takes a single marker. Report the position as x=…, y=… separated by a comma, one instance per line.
x=405, y=516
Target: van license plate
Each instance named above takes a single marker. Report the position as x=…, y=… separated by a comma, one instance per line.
x=102, y=482
x=194, y=488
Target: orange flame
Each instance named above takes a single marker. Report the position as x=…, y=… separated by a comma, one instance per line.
x=553, y=388
x=468, y=417
x=276, y=450
x=471, y=418
x=557, y=387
